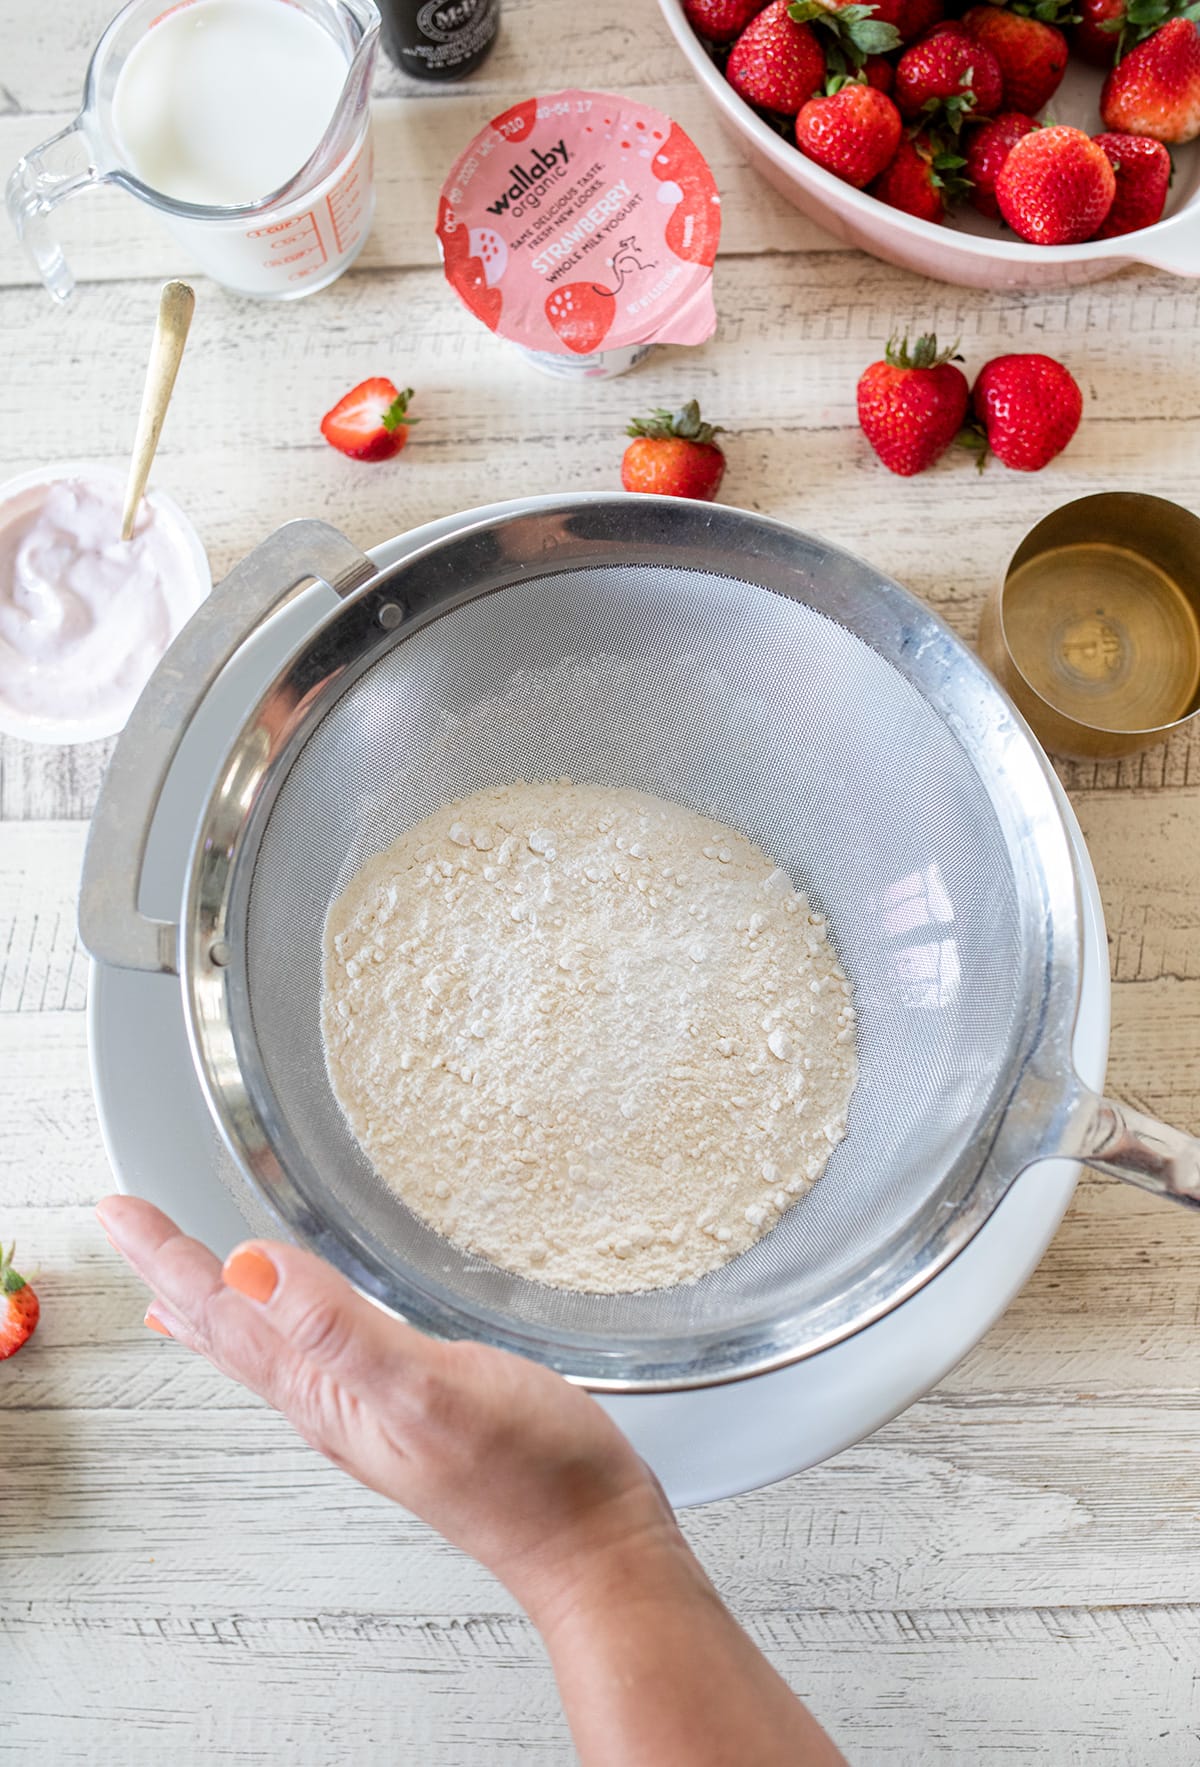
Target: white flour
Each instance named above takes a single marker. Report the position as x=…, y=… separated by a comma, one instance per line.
x=589, y=1035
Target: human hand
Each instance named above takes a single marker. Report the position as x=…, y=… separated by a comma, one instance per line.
x=501, y=1456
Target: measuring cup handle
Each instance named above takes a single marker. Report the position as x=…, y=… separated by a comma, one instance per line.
x=111, y=926
x=60, y=167
x=1129, y=1145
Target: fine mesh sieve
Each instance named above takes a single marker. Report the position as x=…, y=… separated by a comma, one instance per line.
x=725, y=664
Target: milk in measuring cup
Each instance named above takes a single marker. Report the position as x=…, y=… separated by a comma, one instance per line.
x=221, y=103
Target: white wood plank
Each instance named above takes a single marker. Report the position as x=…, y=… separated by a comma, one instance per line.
x=42, y=966
x=39, y=781
x=915, y=1689
x=1144, y=846
x=966, y=1506
x=50, y=1150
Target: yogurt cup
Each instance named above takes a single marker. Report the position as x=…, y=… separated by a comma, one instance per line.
x=583, y=228
x=84, y=615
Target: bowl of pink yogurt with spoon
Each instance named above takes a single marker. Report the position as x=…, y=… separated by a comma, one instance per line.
x=84, y=615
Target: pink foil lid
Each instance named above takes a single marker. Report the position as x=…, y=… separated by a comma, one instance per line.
x=583, y=222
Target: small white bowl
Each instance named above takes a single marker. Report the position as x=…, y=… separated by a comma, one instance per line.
x=970, y=250
x=64, y=731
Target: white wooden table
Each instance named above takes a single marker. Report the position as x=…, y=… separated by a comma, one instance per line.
x=1010, y=1572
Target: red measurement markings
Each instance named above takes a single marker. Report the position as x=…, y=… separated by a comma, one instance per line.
x=291, y=241
x=345, y=200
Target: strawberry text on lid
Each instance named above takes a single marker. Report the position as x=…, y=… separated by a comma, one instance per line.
x=582, y=222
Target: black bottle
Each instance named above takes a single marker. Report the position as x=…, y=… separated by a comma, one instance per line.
x=439, y=39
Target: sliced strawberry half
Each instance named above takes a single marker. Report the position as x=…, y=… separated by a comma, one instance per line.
x=371, y=422
x=19, y=1309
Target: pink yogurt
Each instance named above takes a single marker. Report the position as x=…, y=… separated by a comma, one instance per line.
x=583, y=228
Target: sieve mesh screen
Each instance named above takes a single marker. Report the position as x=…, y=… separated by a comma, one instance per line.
x=741, y=703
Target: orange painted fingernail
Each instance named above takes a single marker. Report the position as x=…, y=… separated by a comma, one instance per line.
x=251, y=1273
x=155, y=1324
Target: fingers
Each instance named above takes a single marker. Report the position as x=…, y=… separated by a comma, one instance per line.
x=271, y=1308
x=333, y=1329
x=193, y=1305
x=181, y=1270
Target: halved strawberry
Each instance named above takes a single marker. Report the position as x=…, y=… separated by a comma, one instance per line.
x=371, y=422
x=19, y=1308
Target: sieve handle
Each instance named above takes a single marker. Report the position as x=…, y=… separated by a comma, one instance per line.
x=1126, y=1144
x=111, y=926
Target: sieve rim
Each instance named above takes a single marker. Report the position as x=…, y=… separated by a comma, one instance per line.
x=576, y=534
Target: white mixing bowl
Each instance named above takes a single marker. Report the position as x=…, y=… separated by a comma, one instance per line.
x=971, y=250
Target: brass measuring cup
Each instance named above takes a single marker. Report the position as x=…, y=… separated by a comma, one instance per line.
x=1094, y=629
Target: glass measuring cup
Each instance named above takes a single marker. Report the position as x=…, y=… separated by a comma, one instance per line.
x=289, y=242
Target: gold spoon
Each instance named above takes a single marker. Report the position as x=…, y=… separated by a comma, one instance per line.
x=170, y=334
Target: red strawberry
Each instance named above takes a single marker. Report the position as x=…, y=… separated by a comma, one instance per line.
x=922, y=177
x=879, y=72
x=853, y=131
x=1029, y=408
x=911, y=405
x=948, y=75
x=1056, y=187
x=581, y=314
x=1143, y=169
x=371, y=422
x=1098, y=33
x=1032, y=55
x=775, y=63
x=720, y=20
x=674, y=455
x=19, y=1307
x=1155, y=90
x=987, y=146
x=919, y=16
x=1109, y=29
x=850, y=31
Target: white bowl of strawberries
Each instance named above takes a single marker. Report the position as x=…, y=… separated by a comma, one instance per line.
x=981, y=144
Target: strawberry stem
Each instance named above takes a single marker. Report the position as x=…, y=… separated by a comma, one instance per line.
x=924, y=353
x=856, y=31
x=973, y=437
x=397, y=412
x=1049, y=12
x=1140, y=19
x=10, y=1282
x=686, y=425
